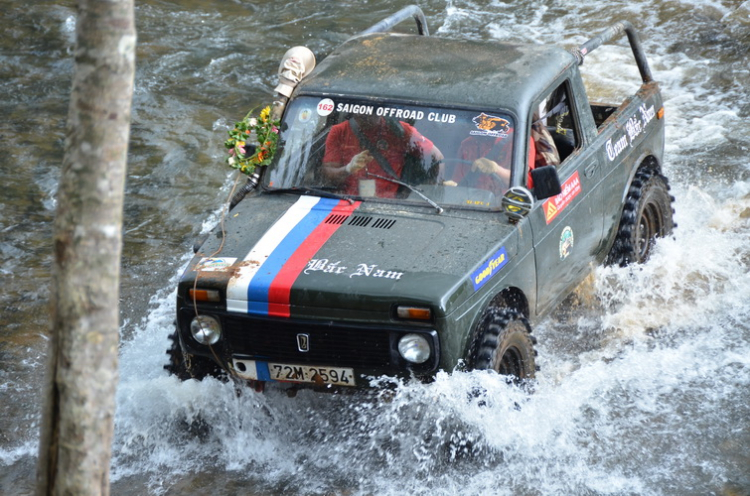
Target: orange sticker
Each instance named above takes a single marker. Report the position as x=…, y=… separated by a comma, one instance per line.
x=490, y=125
x=557, y=204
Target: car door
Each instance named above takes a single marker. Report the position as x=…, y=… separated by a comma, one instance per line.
x=567, y=228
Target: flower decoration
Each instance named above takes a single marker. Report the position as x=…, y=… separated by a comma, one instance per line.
x=252, y=142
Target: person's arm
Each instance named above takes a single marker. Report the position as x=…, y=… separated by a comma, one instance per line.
x=334, y=169
x=337, y=172
x=495, y=160
x=487, y=166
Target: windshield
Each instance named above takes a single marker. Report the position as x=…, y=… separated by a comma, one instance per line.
x=378, y=150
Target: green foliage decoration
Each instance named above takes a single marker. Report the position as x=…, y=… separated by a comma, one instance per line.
x=263, y=132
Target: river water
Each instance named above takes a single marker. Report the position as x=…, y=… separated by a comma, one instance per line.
x=645, y=380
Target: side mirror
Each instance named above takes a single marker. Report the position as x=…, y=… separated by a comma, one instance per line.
x=517, y=203
x=546, y=182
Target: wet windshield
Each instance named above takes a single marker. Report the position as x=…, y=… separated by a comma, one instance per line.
x=387, y=151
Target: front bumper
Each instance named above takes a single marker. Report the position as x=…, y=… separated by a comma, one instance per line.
x=370, y=350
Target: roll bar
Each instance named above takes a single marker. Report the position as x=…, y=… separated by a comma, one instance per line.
x=402, y=15
x=612, y=32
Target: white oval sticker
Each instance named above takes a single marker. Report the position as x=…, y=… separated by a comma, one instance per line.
x=325, y=107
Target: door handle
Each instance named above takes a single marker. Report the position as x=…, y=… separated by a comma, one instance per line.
x=590, y=169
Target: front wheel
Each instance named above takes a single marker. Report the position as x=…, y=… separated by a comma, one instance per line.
x=646, y=216
x=503, y=343
x=186, y=366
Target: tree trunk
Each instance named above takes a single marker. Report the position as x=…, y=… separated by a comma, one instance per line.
x=78, y=417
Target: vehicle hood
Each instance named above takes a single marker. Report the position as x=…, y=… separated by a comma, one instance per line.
x=288, y=255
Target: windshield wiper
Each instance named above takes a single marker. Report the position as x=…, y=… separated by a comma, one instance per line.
x=437, y=207
x=313, y=191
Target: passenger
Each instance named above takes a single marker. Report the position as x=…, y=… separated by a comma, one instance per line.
x=364, y=147
x=484, y=163
x=545, y=150
x=485, y=160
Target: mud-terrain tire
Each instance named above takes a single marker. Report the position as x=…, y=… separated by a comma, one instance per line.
x=189, y=366
x=647, y=215
x=503, y=343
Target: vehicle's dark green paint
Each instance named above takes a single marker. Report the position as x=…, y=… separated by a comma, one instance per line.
x=440, y=71
x=465, y=260
x=435, y=254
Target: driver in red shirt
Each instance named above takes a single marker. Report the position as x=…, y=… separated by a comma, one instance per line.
x=363, y=154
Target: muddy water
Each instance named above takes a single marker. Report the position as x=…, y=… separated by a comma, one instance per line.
x=645, y=381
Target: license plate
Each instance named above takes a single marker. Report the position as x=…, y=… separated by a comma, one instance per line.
x=317, y=375
x=284, y=372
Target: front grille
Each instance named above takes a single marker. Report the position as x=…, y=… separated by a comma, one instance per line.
x=276, y=340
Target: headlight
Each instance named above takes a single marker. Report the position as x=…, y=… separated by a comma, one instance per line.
x=205, y=329
x=414, y=348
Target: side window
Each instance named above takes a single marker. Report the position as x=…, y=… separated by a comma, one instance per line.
x=554, y=134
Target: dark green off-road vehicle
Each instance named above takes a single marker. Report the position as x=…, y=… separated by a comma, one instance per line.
x=429, y=198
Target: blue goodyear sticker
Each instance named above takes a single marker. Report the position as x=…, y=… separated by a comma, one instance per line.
x=483, y=274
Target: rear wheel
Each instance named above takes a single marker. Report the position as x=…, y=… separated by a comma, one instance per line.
x=646, y=216
x=503, y=343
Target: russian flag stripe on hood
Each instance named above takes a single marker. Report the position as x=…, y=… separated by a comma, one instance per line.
x=264, y=281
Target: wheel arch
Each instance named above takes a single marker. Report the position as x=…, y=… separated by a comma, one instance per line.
x=501, y=339
x=509, y=297
x=647, y=161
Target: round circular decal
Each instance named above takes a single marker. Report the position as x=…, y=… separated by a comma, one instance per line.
x=305, y=115
x=566, y=242
x=325, y=107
